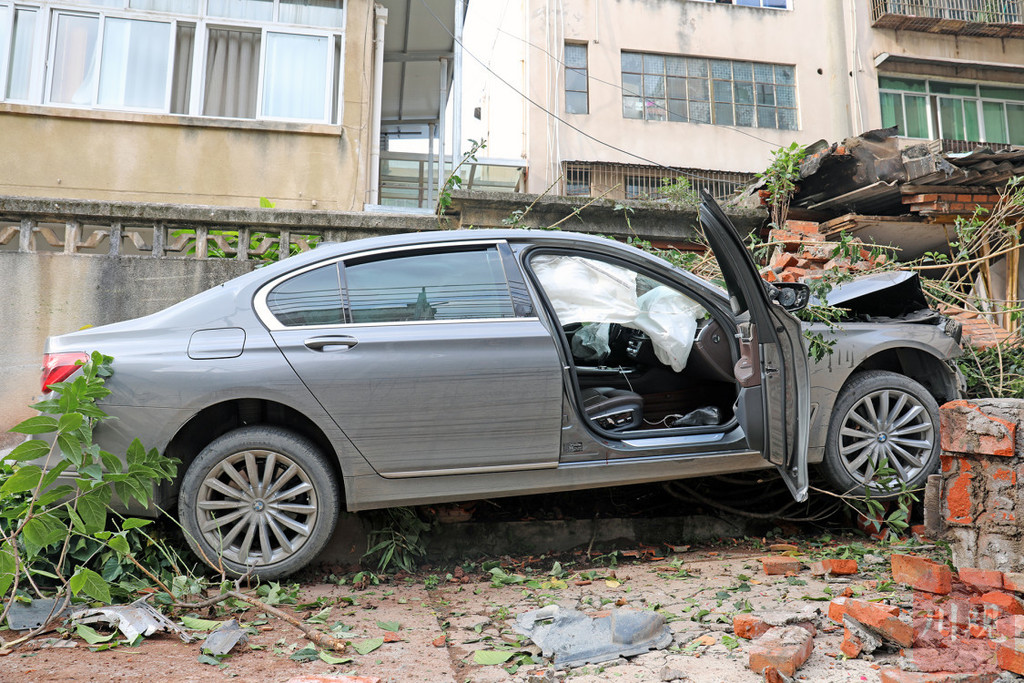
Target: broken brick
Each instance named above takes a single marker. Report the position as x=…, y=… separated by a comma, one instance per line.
x=1013, y=581
x=1010, y=657
x=802, y=227
x=837, y=609
x=966, y=428
x=851, y=646
x=785, y=648
x=998, y=604
x=982, y=580
x=780, y=565
x=880, y=620
x=782, y=259
x=836, y=567
x=749, y=626
x=898, y=676
x=921, y=573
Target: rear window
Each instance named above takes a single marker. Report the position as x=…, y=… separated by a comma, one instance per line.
x=312, y=298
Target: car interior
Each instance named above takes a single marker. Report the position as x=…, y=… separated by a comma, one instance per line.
x=646, y=356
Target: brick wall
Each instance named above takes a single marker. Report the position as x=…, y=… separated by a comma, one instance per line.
x=982, y=460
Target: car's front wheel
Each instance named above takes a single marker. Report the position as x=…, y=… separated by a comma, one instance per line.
x=881, y=419
x=261, y=500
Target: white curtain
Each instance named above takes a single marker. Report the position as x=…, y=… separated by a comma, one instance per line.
x=133, y=71
x=295, y=76
x=232, y=73
x=327, y=13
x=21, y=54
x=74, y=68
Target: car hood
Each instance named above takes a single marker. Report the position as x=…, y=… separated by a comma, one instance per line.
x=894, y=295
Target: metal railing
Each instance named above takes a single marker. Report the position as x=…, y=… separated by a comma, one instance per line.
x=637, y=181
x=972, y=11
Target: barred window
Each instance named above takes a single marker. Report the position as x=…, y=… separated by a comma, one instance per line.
x=716, y=91
x=576, y=91
x=577, y=181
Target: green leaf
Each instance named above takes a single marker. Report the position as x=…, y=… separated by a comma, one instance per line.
x=92, y=507
x=111, y=463
x=92, y=471
x=70, y=447
x=367, y=646
x=92, y=584
x=25, y=479
x=91, y=635
x=306, y=654
x=389, y=625
x=40, y=424
x=119, y=543
x=7, y=566
x=320, y=617
x=211, y=660
x=52, y=474
x=331, y=659
x=69, y=422
x=29, y=450
x=135, y=523
x=197, y=624
x=491, y=657
x=42, y=531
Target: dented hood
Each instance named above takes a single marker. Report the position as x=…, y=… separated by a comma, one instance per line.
x=894, y=294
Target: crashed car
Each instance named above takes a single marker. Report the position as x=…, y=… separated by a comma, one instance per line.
x=460, y=365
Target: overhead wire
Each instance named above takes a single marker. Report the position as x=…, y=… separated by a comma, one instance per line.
x=685, y=172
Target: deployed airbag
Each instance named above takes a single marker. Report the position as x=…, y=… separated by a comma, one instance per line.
x=583, y=290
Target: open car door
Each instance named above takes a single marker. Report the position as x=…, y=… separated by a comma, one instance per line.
x=774, y=403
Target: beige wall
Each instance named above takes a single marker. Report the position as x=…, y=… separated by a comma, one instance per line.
x=966, y=58
x=811, y=36
x=82, y=154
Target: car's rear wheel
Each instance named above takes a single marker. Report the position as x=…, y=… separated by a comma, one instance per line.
x=881, y=418
x=261, y=500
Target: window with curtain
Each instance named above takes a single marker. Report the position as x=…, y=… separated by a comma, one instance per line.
x=576, y=89
x=242, y=59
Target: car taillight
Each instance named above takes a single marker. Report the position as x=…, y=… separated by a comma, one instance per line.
x=57, y=367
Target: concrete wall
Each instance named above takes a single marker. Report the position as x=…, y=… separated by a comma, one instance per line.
x=810, y=36
x=79, y=153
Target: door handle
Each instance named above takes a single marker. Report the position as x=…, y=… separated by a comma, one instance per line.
x=340, y=343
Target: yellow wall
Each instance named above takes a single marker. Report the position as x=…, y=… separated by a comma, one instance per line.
x=83, y=154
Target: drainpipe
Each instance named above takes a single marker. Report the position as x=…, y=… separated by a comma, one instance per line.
x=381, y=20
x=457, y=84
x=430, y=166
x=443, y=98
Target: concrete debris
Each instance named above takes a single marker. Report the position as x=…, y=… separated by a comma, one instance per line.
x=224, y=638
x=134, y=620
x=574, y=638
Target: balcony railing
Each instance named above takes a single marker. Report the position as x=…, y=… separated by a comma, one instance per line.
x=995, y=18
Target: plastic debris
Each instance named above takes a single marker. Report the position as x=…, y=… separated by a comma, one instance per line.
x=709, y=415
x=30, y=616
x=576, y=639
x=224, y=638
x=134, y=620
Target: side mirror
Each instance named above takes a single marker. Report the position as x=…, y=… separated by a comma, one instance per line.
x=793, y=296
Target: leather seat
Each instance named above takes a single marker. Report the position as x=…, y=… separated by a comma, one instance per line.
x=613, y=409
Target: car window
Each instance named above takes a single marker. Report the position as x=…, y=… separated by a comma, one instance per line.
x=310, y=298
x=453, y=285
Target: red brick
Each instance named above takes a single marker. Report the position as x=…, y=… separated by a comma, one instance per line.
x=786, y=276
x=963, y=197
x=898, y=676
x=986, y=198
x=919, y=198
x=749, y=626
x=785, y=648
x=769, y=276
x=981, y=579
x=792, y=239
x=1010, y=658
x=802, y=227
x=1010, y=627
x=839, y=607
x=880, y=620
x=851, y=645
x=782, y=259
x=780, y=565
x=840, y=567
x=1013, y=581
x=998, y=604
x=959, y=505
x=965, y=428
x=919, y=533
x=772, y=675
x=921, y=573
x=948, y=197
x=797, y=272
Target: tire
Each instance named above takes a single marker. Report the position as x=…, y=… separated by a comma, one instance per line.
x=229, y=521
x=881, y=413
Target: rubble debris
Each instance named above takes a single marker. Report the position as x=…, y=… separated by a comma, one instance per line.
x=785, y=648
x=574, y=638
x=134, y=620
x=30, y=616
x=834, y=567
x=751, y=626
x=780, y=565
x=224, y=638
x=920, y=573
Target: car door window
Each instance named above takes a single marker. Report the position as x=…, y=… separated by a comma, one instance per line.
x=435, y=286
x=309, y=298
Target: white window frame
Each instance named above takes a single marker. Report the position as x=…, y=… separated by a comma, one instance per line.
x=760, y=5
x=44, y=49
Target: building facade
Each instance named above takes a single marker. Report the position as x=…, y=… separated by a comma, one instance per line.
x=216, y=102
x=634, y=91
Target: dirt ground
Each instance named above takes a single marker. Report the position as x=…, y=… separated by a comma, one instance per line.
x=445, y=615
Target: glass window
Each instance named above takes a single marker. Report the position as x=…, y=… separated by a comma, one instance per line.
x=576, y=87
x=458, y=285
x=327, y=13
x=176, y=6
x=295, y=76
x=312, y=298
x=652, y=83
x=232, y=73
x=256, y=10
x=74, y=59
x=134, y=67
x=1015, y=121
x=19, y=67
x=577, y=181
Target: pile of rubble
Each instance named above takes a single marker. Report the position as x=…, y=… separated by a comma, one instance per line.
x=800, y=251
x=960, y=627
